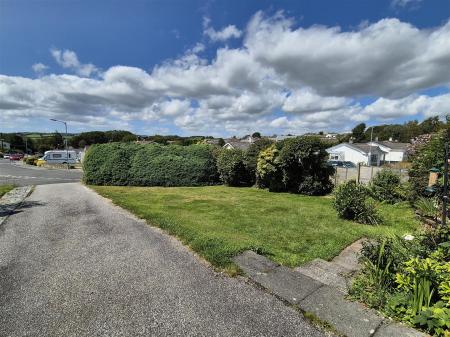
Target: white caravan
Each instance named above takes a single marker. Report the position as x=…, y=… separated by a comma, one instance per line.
x=60, y=157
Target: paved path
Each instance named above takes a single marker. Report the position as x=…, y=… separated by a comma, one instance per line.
x=71, y=264
x=21, y=175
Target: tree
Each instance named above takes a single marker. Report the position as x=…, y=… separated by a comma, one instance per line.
x=303, y=161
x=253, y=153
x=256, y=135
x=232, y=168
x=221, y=142
x=358, y=132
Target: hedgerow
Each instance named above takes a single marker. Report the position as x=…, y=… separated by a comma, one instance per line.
x=150, y=165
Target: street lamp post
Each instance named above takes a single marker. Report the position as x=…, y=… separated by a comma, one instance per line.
x=65, y=140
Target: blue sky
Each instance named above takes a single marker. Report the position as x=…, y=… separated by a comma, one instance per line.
x=222, y=67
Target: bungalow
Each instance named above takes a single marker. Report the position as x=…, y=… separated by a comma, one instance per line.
x=237, y=144
x=372, y=153
x=395, y=152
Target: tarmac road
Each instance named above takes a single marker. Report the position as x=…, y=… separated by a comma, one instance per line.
x=72, y=264
x=20, y=175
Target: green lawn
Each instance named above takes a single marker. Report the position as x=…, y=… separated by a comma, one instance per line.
x=5, y=189
x=218, y=222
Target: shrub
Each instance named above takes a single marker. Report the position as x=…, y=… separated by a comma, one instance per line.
x=429, y=155
x=428, y=207
x=351, y=202
x=297, y=165
x=253, y=153
x=385, y=186
x=303, y=161
x=233, y=169
x=149, y=165
x=30, y=160
x=414, y=277
x=268, y=170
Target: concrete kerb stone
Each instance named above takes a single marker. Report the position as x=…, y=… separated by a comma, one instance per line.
x=325, y=303
x=281, y=281
x=11, y=200
x=349, y=318
x=395, y=330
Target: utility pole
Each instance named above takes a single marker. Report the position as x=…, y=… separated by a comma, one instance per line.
x=445, y=192
x=65, y=140
x=370, y=151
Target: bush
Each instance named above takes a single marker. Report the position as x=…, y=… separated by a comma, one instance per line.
x=351, y=200
x=429, y=155
x=415, y=279
x=149, y=165
x=253, y=153
x=297, y=165
x=268, y=171
x=385, y=186
x=30, y=160
x=304, y=164
x=233, y=169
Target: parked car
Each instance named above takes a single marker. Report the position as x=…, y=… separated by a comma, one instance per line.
x=15, y=156
x=6, y=156
x=340, y=163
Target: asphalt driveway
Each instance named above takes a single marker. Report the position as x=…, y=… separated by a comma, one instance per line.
x=72, y=264
x=20, y=175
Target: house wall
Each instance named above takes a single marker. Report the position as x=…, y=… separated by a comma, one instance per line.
x=395, y=156
x=348, y=154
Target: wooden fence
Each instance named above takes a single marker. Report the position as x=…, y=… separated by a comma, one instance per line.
x=364, y=174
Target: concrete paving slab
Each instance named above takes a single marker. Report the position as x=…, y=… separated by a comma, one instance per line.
x=349, y=257
x=349, y=318
x=398, y=330
x=253, y=264
x=326, y=272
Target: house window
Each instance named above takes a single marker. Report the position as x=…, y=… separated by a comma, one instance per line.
x=334, y=156
x=373, y=159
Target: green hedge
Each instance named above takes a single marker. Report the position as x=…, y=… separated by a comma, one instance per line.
x=150, y=165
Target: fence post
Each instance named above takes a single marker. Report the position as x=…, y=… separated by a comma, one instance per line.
x=358, y=176
x=346, y=174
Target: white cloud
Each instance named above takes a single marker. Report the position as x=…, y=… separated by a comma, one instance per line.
x=68, y=59
x=226, y=33
x=306, y=101
x=405, y=3
x=388, y=58
x=39, y=68
x=282, y=79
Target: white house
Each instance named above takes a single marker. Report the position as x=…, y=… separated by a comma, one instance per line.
x=4, y=145
x=395, y=152
x=372, y=153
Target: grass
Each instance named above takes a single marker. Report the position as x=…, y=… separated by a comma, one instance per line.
x=5, y=189
x=219, y=222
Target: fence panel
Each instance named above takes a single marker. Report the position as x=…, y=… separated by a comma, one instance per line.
x=364, y=174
